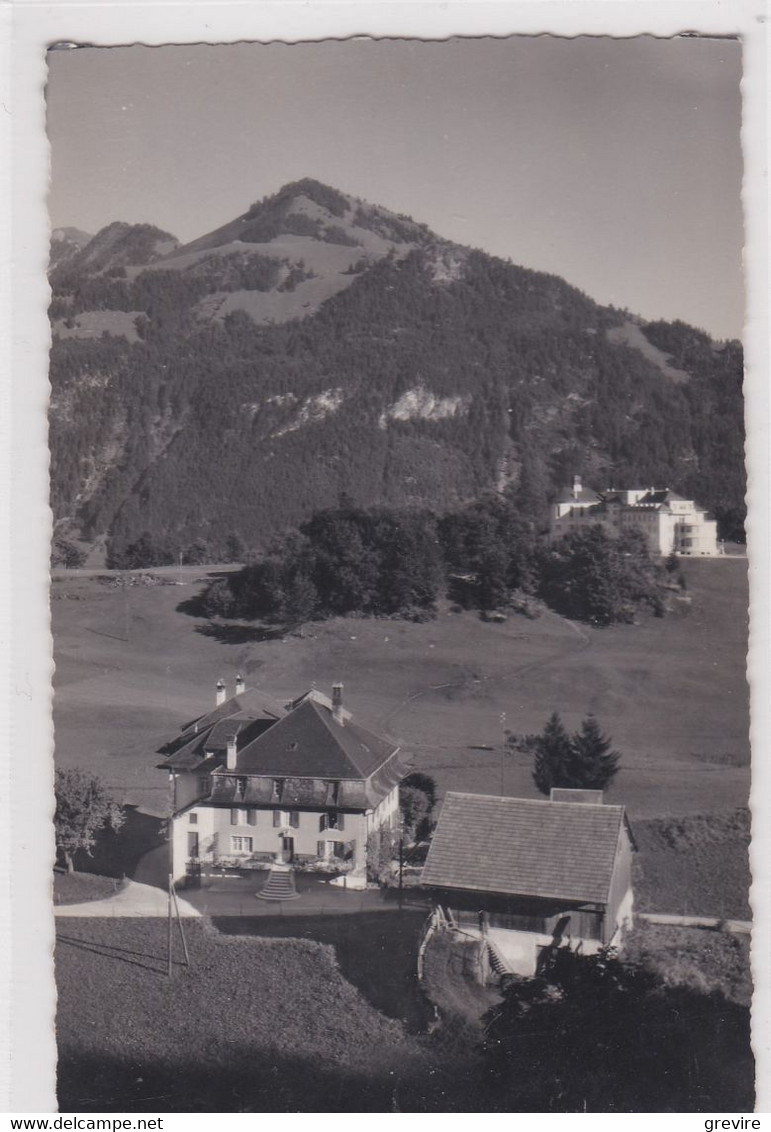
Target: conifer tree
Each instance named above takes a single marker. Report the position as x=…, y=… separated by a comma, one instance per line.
x=582, y=761
x=595, y=765
x=552, y=755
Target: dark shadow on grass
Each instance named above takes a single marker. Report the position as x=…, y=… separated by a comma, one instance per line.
x=157, y=964
x=194, y=606
x=258, y=1079
x=238, y=633
x=376, y=953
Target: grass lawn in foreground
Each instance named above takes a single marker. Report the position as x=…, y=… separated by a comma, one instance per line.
x=250, y=1024
x=376, y=951
x=263, y=1025
x=271, y=1025
x=79, y=888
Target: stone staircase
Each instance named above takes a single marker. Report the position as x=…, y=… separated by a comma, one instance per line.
x=279, y=885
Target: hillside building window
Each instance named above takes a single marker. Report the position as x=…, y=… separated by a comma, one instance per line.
x=286, y=818
x=241, y=844
x=203, y=784
x=237, y=817
x=193, y=819
x=331, y=820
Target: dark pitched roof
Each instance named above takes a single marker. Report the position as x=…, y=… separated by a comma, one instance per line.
x=233, y=716
x=309, y=743
x=655, y=498
x=526, y=848
x=251, y=704
x=585, y=495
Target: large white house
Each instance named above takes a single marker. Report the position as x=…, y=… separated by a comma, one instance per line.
x=669, y=523
x=256, y=780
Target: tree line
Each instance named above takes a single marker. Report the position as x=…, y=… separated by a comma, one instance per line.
x=384, y=562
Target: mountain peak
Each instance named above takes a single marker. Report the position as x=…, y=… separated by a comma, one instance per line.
x=309, y=208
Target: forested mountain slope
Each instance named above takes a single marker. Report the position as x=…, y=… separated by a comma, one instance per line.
x=318, y=344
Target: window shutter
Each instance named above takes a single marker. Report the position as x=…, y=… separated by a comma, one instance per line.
x=322, y=823
x=276, y=818
x=320, y=849
x=234, y=817
x=251, y=817
x=294, y=819
x=341, y=821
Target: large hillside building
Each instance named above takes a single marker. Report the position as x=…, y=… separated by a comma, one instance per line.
x=256, y=780
x=669, y=523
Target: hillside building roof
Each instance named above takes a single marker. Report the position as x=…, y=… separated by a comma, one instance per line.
x=307, y=753
x=519, y=847
x=310, y=742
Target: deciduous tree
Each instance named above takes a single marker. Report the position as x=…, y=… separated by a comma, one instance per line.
x=84, y=807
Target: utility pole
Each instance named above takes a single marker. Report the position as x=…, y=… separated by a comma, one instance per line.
x=503, y=748
x=171, y=972
x=401, y=862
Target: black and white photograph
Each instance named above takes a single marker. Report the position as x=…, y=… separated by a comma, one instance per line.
x=399, y=576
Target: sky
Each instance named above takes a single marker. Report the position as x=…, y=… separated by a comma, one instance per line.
x=613, y=163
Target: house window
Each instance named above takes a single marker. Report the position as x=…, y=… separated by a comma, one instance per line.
x=203, y=784
x=251, y=817
x=241, y=844
x=278, y=786
x=237, y=817
x=240, y=787
x=193, y=819
x=276, y=819
x=331, y=820
x=294, y=819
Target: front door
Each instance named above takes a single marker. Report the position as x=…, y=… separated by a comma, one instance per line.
x=192, y=845
x=287, y=849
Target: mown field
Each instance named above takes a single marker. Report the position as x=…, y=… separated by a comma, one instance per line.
x=130, y=667
x=253, y=1025
x=274, y=1025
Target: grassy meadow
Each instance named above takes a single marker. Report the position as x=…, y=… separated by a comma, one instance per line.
x=672, y=692
x=275, y=1025
x=253, y=1025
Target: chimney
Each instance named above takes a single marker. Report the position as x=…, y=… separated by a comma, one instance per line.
x=221, y=694
x=337, y=704
x=230, y=757
x=240, y=686
x=576, y=486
